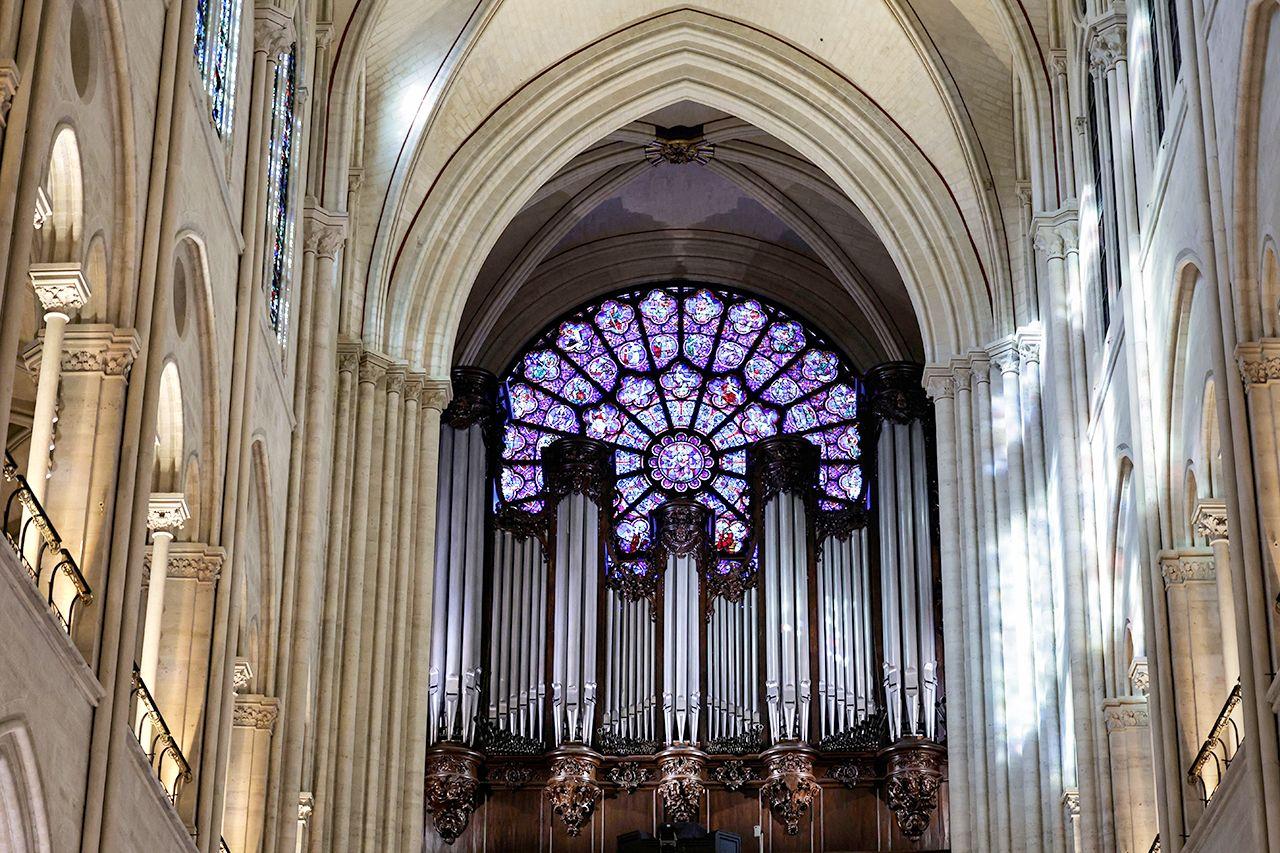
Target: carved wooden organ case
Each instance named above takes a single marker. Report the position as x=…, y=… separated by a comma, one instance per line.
x=812, y=661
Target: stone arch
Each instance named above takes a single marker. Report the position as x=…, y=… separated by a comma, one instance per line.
x=24, y=826
x=60, y=206
x=683, y=56
x=170, y=438
x=1125, y=624
x=1256, y=314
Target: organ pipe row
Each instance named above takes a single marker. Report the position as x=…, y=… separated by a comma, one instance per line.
x=830, y=639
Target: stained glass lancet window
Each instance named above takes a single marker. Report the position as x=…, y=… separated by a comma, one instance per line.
x=217, y=46
x=680, y=380
x=279, y=204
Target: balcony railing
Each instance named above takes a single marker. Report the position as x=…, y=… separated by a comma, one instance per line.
x=222, y=846
x=36, y=543
x=1155, y=845
x=1218, y=750
x=163, y=752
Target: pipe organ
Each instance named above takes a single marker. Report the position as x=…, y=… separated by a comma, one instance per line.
x=806, y=657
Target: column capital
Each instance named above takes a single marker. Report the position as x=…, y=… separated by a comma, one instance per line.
x=90, y=348
x=373, y=366
x=255, y=711
x=241, y=674
x=1108, y=43
x=1210, y=520
x=272, y=29
x=436, y=394
x=167, y=512
x=939, y=382
x=325, y=231
x=1185, y=566
x=1259, y=362
x=349, y=351
x=1125, y=712
x=396, y=374
x=1004, y=355
x=10, y=79
x=1028, y=340
x=61, y=288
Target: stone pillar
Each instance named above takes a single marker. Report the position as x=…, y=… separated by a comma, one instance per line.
x=1133, y=791
x=253, y=721
x=435, y=397
x=1195, y=644
x=96, y=361
x=324, y=237
x=1211, y=522
x=62, y=291
x=166, y=514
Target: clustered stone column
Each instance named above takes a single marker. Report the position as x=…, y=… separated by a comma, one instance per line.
x=1211, y=522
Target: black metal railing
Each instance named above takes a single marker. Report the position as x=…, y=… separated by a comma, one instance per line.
x=163, y=752
x=1218, y=749
x=222, y=845
x=1155, y=845
x=38, y=547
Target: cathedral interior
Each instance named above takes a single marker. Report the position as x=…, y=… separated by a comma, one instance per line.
x=581, y=425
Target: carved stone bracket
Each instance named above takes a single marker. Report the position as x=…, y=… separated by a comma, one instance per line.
x=629, y=775
x=89, y=348
x=1180, y=567
x=911, y=786
x=784, y=463
x=1210, y=520
x=790, y=789
x=578, y=466
x=475, y=398
x=573, y=790
x=681, y=787
x=733, y=774
x=1259, y=363
x=895, y=391
x=452, y=787
x=253, y=711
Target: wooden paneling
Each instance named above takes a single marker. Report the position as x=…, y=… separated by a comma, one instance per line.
x=843, y=821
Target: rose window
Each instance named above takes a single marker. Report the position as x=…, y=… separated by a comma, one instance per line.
x=680, y=380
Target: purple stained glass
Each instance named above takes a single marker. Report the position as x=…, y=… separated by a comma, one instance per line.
x=280, y=193
x=680, y=380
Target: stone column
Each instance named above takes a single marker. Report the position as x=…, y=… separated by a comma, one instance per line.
x=62, y=291
x=1211, y=522
x=1133, y=792
x=166, y=514
x=253, y=721
x=435, y=397
x=1196, y=665
x=325, y=235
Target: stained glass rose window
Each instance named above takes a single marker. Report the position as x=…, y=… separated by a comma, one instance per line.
x=679, y=380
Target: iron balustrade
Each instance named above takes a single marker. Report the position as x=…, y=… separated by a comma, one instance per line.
x=1218, y=750
x=163, y=752
x=222, y=845
x=39, y=549
x=1155, y=845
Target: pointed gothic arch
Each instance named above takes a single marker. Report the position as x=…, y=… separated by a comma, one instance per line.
x=24, y=826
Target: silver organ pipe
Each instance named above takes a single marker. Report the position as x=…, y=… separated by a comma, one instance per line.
x=845, y=658
x=731, y=663
x=456, y=658
x=629, y=684
x=578, y=473
x=906, y=554
x=515, y=676
x=784, y=471
x=682, y=698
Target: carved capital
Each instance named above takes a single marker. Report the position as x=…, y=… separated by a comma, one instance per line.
x=1259, y=363
x=1180, y=567
x=895, y=391
x=1139, y=676
x=1028, y=341
x=1108, y=46
x=10, y=79
x=1125, y=713
x=306, y=806
x=573, y=790
x=1210, y=520
x=61, y=288
x=576, y=465
x=373, y=367
x=349, y=352
x=911, y=787
x=254, y=711
x=436, y=394
x=790, y=789
x=324, y=231
x=452, y=789
x=90, y=348
x=241, y=674
x=395, y=379
x=475, y=398
x=680, y=786
x=272, y=29
x=1071, y=802
x=192, y=561
x=939, y=383
x=167, y=512
x=1049, y=243
x=783, y=463
x=1004, y=355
